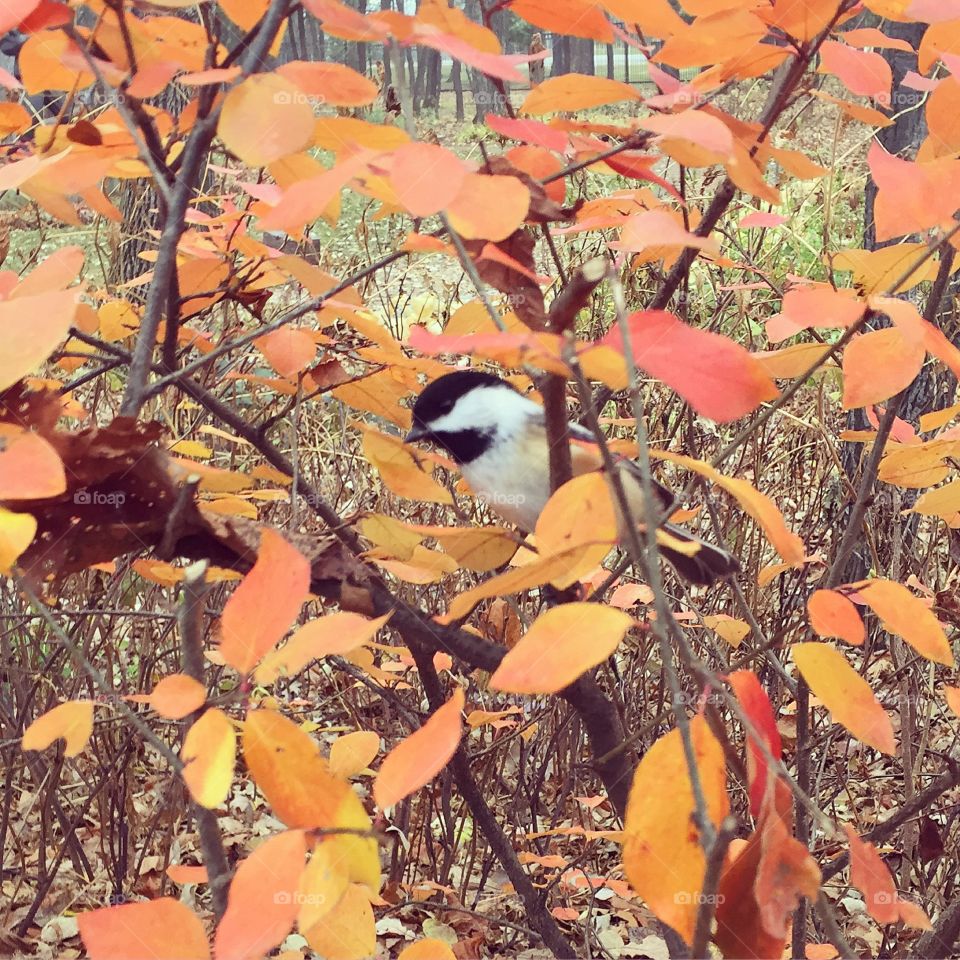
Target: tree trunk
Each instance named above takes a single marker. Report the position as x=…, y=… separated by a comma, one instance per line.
x=561, y=56
x=610, y=67
x=456, y=77
x=934, y=387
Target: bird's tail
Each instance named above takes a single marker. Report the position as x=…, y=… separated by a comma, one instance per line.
x=709, y=564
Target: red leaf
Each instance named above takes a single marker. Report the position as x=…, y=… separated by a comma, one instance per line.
x=756, y=705
x=529, y=131
x=716, y=376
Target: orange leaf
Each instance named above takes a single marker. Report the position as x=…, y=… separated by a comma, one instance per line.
x=580, y=513
x=878, y=364
x=845, y=694
x=187, y=873
x=335, y=633
x=30, y=469
x=577, y=18
x=759, y=506
x=489, y=207
x=907, y=616
x=818, y=305
x=71, y=721
x=162, y=929
x=414, y=762
x=759, y=711
x=400, y=470
x=952, y=696
x=265, y=603
x=863, y=73
x=833, y=615
x=662, y=855
x=656, y=229
x=352, y=754
x=426, y=177
x=716, y=376
x=209, y=750
x=870, y=875
x=264, y=118
x=174, y=697
x=328, y=82
x=430, y=950
x=562, y=644
x=288, y=350
x=287, y=766
x=262, y=902
x=575, y=91
x=802, y=21
x=32, y=328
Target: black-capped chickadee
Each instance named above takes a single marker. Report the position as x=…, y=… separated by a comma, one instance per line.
x=498, y=438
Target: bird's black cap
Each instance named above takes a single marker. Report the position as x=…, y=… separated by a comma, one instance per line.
x=440, y=396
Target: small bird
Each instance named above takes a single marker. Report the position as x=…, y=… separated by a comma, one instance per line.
x=498, y=438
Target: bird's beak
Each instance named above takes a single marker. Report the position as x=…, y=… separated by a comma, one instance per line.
x=416, y=433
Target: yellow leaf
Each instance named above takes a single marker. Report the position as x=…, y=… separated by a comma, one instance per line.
x=727, y=628
x=580, y=513
x=71, y=721
x=942, y=502
x=758, y=505
x=418, y=759
x=192, y=448
x=662, y=856
x=349, y=932
x=264, y=118
x=288, y=768
x=322, y=885
x=118, y=320
x=209, y=750
x=561, y=645
x=560, y=569
x=353, y=753
x=845, y=694
x=916, y=465
x=336, y=633
x=400, y=470
x=17, y=531
x=575, y=91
